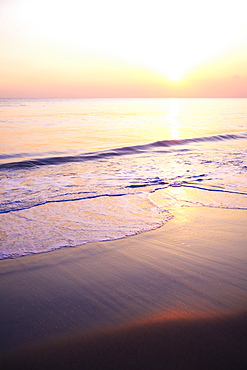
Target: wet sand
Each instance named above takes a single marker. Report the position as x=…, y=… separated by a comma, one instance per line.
x=173, y=298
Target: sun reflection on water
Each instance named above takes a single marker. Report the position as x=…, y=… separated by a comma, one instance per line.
x=173, y=118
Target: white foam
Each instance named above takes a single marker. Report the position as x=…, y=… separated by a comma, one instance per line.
x=68, y=224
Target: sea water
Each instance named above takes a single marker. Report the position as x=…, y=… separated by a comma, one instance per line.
x=73, y=171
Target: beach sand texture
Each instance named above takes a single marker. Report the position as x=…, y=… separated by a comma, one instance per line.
x=172, y=298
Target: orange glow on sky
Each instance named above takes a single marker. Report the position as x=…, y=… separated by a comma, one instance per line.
x=62, y=48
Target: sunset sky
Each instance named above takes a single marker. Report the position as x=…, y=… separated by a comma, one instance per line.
x=131, y=48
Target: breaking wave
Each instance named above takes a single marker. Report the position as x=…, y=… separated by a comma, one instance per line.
x=127, y=150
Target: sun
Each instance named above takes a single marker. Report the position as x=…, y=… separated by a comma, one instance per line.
x=172, y=38
x=174, y=69
x=175, y=74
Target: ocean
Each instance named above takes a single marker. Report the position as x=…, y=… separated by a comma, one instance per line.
x=74, y=171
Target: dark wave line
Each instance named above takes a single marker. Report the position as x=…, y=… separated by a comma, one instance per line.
x=157, y=182
x=161, y=185
x=26, y=154
x=210, y=189
x=48, y=161
x=61, y=201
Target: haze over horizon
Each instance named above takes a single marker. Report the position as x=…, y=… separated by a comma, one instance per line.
x=129, y=49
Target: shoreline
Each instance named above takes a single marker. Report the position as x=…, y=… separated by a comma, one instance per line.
x=192, y=268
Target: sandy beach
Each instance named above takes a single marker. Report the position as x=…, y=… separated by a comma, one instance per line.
x=172, y=298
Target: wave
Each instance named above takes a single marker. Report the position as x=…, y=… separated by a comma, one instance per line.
x=153, y=185
x=127, y=150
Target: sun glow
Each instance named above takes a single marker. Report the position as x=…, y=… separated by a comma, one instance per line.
x=168, y=38
x=175, y=74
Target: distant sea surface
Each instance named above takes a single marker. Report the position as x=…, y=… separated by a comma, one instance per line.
x=74, y=171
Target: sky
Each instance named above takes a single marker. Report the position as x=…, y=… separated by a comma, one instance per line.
x=130, y=48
